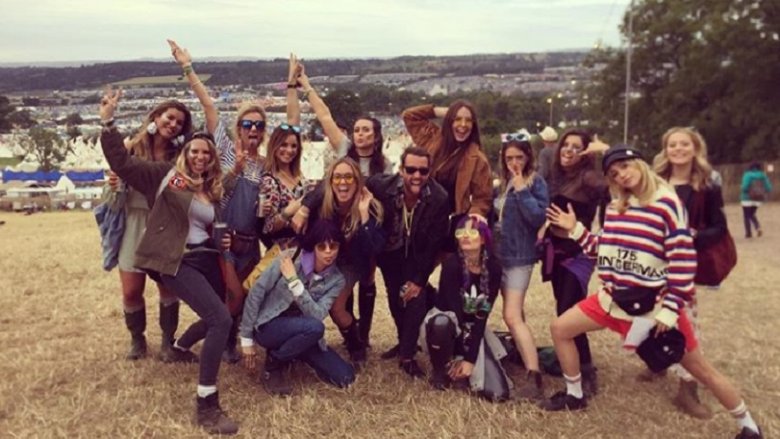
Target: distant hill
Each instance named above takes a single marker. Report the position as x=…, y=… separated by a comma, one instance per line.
x=255, y=72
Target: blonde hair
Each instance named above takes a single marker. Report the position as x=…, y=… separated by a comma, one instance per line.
x=649, y=183
x=351, y=222
x=701, y=169
x=244, y=109
x=211, y=184
x=141, y=143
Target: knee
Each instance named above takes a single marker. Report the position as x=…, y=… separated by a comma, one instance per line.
x=558, y=330
x=513, y=319
x=315, y=327
x=221, y=320
x=440, y=326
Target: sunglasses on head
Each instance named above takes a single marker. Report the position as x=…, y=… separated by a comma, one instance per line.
x=248, y=124
x=328, y=245
x=287, y=127
x=413, y=169
x=343, y=178
x=466, y=233
x=515, y=137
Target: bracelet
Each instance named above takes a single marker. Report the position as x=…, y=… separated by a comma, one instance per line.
x=292, y=278
x=187, y=69
x=196, y=83
x=292, y=85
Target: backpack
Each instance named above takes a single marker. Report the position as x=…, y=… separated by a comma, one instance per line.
x=757, y=190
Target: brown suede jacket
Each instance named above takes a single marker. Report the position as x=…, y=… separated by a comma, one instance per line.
x=474, y=183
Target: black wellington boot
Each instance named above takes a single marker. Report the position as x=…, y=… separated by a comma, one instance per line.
x=136, y=324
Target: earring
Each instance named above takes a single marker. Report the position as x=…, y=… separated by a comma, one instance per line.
x=178, y=141
x=151, y=128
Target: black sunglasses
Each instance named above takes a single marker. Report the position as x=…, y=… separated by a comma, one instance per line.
x=412, y=169
x=248, y=124
x=287, y=127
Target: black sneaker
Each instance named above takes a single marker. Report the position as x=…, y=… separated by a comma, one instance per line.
x=391, y=353
x=274, y=377
x=440, y=380
x=747, y=433
x=411, y=368
x=563, y=401
x=171, y=354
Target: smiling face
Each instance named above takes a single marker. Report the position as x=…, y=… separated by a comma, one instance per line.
x=415, y=181
x=515, y=160
x=198, y=156
x=170, y=123
x=626, y=174
x=287, y=150
x=363, y=134
x=680, y=149
x=462, y=124
x=251, y=137
x=570, y=150
x=344, y=183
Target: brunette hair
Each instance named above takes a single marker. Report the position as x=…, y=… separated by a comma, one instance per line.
x=140, y=145
x=321, y=231
x=378, y=161
x=528, y=169
x=448, y=143
x=278, y=137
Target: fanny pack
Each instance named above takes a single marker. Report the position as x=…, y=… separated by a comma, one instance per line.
x=241, y=244
x=662, y=350
x=635, y=301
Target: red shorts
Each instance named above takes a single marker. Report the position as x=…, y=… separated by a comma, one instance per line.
x=591, y=307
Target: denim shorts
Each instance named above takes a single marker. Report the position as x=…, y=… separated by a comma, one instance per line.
x=517, y=278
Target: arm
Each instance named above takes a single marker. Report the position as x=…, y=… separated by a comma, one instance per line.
x=293, y=105
x=254, y=300
x=319, y=308
x=418, y=122
x=436, y=234
x=481, y=188
x=566, y=220
x=273, y=195
x=183, y=58
x=716, y=219
x=681, y=269
x=530, y=203
x=335, y=136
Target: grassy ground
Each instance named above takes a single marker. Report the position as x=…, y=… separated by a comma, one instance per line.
x=62, y=342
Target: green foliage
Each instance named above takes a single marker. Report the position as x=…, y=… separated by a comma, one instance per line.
x=344, y=105
x=22, y=119
x=5, y=110
x=46, y=147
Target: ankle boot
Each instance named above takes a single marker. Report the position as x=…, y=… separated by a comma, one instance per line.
x=231, y=355
x=169, y=322
x=688, y=401
x=355, y=346
x=210, y=416
x=366, y=300
x=136, y=324
x=440, y=338
x=274, y=378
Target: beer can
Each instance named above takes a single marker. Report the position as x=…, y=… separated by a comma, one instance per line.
x=260, y=202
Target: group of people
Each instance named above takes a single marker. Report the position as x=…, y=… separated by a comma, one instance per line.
x=185, y=188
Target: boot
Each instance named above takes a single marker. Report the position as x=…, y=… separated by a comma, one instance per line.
x=136, y=324
x=590, y=383
x=533, y=389
x=212, y=418
x=231, y=355
x=274, y=378
x=366, y=300
x=687, y=400
x=169, y=322
x=350, y=308
x=355, y=346
x=440, y=337
x=411, y=368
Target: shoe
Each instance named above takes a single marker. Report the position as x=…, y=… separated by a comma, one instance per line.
x=212, y=418
x=648, y=376
x=231, y=355
x=274, y=377
x=136, y=324
x=177, y=355
x=358, y=357
x=563, y=401
x=391, y=353
x=687, y=400
x=747, y=433
x=533, y=389
x=759, y=233
x=411, y=368
x=590, y=382
x=440, y=380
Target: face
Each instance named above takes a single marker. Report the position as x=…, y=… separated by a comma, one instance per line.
x=463, y=124
x=326, y=252
x=626, y=174
x=344, y=183
x=198, y=156
x=415, y=172
x=515, y=160
x=680, y=149
x=468, y=238
x=288, y=150
x=363, y=134
x=170, y=123
x=570, y=151
x=251, y=137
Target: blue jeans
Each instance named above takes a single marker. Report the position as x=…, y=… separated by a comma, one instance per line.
x=297, y=338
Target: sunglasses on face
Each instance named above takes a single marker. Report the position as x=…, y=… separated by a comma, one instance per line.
x=287, y=127
x=248, y=124
x=466, y=233
x=343, y=178
x=328, y=245
x=411, y=170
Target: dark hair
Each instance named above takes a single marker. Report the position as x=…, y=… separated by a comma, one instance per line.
x=378, y=160
x=482, y=227
x=448, y=142
x=755, y=166
x=525, y=147
x=586, y=138
x=416, y=151
x=278, y=136
x=321, y=231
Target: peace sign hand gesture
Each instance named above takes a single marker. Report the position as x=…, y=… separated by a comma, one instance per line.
x=109, y=102
x=596, y=146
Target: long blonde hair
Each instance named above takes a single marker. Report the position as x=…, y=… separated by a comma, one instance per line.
x=701, y=169
x=211, y=184
x=141, y=143
x=649, y=183
x=351, y=222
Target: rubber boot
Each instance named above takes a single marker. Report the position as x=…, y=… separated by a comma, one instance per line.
x=136, y=324
x=355, y=346
x=210, y=416
x=440, y=337
x=231, y=355
x=274, y=378
x=169, y=323
x=366, y=300
x=688, y=401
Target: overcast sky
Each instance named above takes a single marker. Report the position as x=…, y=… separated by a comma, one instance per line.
x=56, y=30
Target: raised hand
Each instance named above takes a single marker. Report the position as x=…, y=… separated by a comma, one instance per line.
x=109, y=103
x=518, y=180
x=303, y=79
x=241, y=155
x=294, y=70
x=596, y=146
x=182, y=56
x=565, y=220
x=286, y=266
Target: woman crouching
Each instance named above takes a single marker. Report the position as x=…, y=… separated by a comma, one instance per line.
x=646, y=264
x=285, y=309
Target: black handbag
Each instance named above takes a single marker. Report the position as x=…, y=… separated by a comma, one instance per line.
x=662, y=350
x=635, y=301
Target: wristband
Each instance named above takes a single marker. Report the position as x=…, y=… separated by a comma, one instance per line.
x=292, y=85
x=187, y=69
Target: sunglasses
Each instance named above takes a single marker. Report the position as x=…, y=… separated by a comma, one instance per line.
x=466, y=233
x=248, y=124
x=411, y=170
x=287, y=127
x=328, y=245
x=515, y=137
x=343, y=178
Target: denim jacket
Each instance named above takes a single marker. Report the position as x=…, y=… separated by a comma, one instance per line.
x=523, y=215
x=270, y=296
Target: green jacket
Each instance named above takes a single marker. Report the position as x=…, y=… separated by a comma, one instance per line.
x=163, y=242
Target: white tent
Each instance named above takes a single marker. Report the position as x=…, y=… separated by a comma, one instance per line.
x=65, y=184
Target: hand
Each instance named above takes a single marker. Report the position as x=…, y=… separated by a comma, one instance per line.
x=440, y=112
x=241, y=154
x=294, y=70
x=299, y=220
x=292, y=207
x=249, y=357
x=286, y=266
x=182, y=56
x=268, y=207
x=518, y=181
x=565, y=220
x=109, y=102
x=303, y=79
x=113, y=181
x=461, y=369
x=226, y=240
x=596, y=146
x=412, y=290
x=364, y=204
x=660, y=328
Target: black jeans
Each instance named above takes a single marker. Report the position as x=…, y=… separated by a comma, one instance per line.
x=198, y=286
x=749, y=216
x=407, y=317
x=568, y=292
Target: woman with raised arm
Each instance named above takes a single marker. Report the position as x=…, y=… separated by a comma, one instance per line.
x=158, y=140
x=177, y=247
x=646, y=265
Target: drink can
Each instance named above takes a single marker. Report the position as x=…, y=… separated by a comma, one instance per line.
x=219, y=229
x=260, y=202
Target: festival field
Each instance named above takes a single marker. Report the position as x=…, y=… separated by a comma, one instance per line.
x=63, y=340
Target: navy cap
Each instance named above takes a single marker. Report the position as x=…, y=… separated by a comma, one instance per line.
x=617, y=153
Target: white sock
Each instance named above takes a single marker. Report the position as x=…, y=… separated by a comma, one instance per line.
x=742, y=415
x=574, y=385
x=204, y=391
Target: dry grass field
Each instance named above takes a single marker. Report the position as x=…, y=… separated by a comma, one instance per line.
x=62, y=343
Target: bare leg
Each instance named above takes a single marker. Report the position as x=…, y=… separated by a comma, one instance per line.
x=514, y=317
x=563, y=329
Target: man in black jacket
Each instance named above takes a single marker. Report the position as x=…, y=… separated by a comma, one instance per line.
x=416, y=223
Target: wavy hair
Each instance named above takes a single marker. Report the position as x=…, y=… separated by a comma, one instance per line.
x=649, y=183
x=278, y=137
x=378, y=160
x=329, y=209
x=701, y=169
x=140, y=145
x=211, y=184
x=528, y=168
x=449, y=145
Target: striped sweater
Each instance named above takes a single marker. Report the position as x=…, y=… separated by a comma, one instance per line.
x=648, y=246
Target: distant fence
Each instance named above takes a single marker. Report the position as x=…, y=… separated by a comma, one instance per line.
x=732, y=180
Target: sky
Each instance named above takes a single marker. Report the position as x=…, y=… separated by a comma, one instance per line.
x=89, y=30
